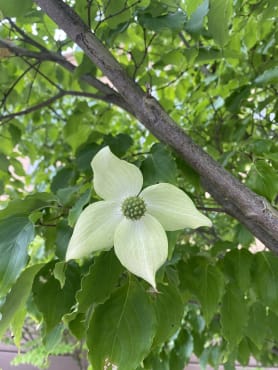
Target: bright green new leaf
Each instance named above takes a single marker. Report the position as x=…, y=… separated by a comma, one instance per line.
x=122, y=329
x=219, y=20
x=16, y=233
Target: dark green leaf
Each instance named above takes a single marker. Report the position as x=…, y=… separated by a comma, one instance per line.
x=63, y=178
x=17, y=297
x=28, y=205
x=237, y=265
x=205, y=281
x=62, y=239
x=171, y=21
x=16, y=233
x=265, y=277
x=159, y=166
x=257, y=324
x=169, y=311
x=75, y=211
x=101, y=280
x=52, y=300
x=234, y=315
x=118, y=144
x=122, y=329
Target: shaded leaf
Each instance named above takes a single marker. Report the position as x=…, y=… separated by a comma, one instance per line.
x=122, y=329
x=101, y=280
x=17, y=297
x=159, y=166
x=169, y=309
x=172, y=21
x=205, y=281
x=16, y=233
x=257, y=324
x=52, y=300
x=234, y=315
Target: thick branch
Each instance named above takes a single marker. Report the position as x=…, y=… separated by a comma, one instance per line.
x=253, y=211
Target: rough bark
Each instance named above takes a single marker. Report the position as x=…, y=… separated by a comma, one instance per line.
x=250, y=209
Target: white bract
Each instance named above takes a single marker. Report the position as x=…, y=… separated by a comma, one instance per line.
x=132, y=220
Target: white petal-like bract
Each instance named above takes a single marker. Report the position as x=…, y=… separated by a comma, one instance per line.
x=141, y=246
x=172, y=207
x=115, y=179
x=94, y=229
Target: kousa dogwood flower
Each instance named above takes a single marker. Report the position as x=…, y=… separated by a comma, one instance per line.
x=131, y=220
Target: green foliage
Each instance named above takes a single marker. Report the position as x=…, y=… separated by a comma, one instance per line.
x=16, y=233
x=122, y=329
x=212, y=64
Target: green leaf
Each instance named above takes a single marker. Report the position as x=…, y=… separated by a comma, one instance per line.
x=234, y=315
x=86, y=67
x=195, y=23
x=17, y=297
x=237, y=266
x=52, y=300
x=20, y=207
x=219, y=18
x=16, y=233
x=122, y=329
x=192, y=5
x=75, y=211
x=169, y=309
x=11, y=9
x=63, y=178
x=265, y=277
x=101, y=280
x=257, y=324
x=159, y=166
x=59, y=272
x=62, y=239
x=171, y=21
x=116, y=13
x=4, y=163
x=268, y=76
x=205, y=281
x=118, y=144
x=263, y=179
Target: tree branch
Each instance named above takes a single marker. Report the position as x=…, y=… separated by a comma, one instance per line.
x=252, y=210
x=108, y=95
x=47, y=103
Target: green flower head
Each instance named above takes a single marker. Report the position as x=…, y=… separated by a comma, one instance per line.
x=131, y=220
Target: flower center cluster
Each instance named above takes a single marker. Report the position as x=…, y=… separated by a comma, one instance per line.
x=133, y=208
